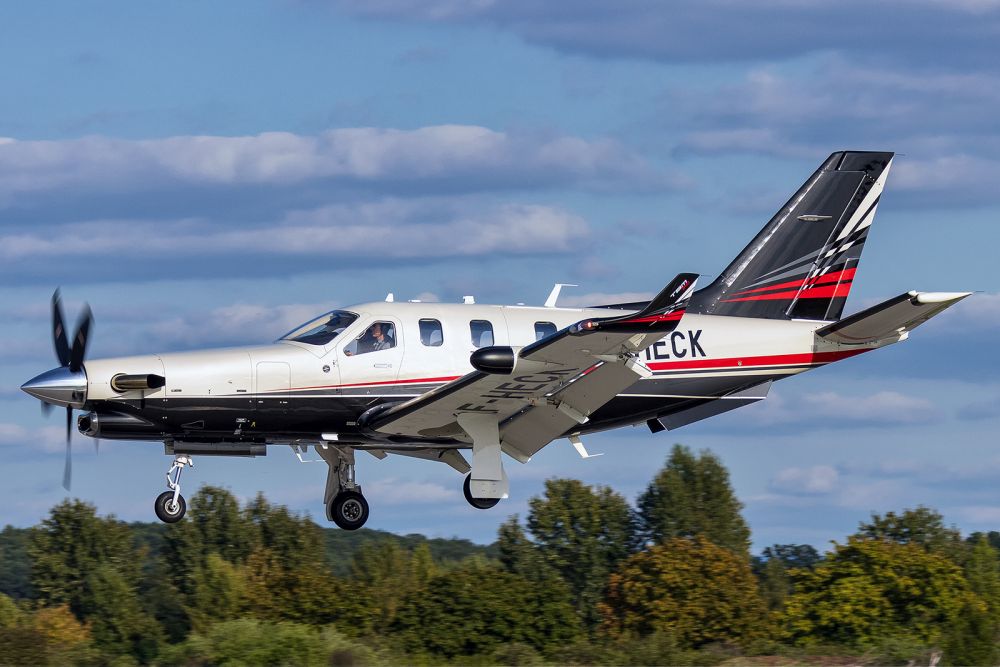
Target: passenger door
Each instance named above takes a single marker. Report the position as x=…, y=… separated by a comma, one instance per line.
x=370, y=359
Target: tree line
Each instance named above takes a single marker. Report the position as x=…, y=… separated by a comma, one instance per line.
x=584, y=579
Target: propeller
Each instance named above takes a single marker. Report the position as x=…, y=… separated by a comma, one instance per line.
x=71, y=357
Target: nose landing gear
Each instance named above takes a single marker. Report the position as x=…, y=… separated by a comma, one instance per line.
x=170, y=506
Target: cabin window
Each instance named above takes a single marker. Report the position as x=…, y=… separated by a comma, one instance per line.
x=482, y=333
x=543, y=329
x=379, y=336
x=430, y=333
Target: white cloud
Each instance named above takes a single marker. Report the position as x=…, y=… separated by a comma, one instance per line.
x=393, y=491
x=831, y=410
x=881, y=407
x=402, y=229
x=982, y=514
x=465, y=157
x=821, y=479
x=239, y=322
x=48, y=439
x=713, y=30
x=979, y=312
x=602, y=298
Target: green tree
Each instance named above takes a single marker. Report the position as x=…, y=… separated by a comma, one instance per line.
x=773, y=566
x=388, y=573
x=253, y=642
x=775, y=583
x=689, y=588
x=214, y=525
x=118, y=623
x=690, y=496
x=303, y=591
x=92, y=565
x=15, y=565
x=870, y=590
x=582, y=533
x=474, y=608
x=220, y=592
x=793, y=556
x=982, y=570
x=971, y=637
x=10, y=614
x=73, y=542
x=921, y=526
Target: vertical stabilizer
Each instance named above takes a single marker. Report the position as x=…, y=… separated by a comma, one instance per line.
x=802, y=264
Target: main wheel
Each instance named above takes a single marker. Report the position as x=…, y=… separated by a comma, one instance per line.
x=167, y=510
x=349, y=510
x=478, y=503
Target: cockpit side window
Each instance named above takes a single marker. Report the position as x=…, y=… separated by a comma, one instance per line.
x=323, y=329
x=379, y=336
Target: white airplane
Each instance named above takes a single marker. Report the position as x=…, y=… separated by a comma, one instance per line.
x=433, y=381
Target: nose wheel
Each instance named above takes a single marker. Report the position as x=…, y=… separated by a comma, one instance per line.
x=349, y=510
x=170, y=506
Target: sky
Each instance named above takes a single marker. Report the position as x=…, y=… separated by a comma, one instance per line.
x=211, y=174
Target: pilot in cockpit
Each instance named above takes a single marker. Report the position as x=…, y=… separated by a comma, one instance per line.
x=379, y=336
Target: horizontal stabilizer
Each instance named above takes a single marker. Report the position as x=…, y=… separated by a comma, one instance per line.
x=891, y=319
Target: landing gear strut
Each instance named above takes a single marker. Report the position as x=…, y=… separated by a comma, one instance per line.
x=170, y=506
x=345, y=505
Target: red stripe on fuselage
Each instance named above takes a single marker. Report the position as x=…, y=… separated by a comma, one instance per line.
x=754, y=362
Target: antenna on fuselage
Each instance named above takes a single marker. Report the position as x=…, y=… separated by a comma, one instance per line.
x=554, y=294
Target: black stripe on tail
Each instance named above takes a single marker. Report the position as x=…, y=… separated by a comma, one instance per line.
x=802, y=264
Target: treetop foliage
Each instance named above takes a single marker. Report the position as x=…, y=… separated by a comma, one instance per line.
x=692, y=496
x=584, y=579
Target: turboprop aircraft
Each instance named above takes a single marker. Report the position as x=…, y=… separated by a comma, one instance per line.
x=434, y=381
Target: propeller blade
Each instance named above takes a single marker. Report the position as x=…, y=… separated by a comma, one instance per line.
x=59, y=330
x=68, y=467
x=46, y=408
x=79, y=349
x=97, y=446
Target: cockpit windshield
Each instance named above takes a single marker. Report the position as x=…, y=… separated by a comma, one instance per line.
x=323, y=329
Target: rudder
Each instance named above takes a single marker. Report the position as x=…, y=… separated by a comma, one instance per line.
x=801, y=265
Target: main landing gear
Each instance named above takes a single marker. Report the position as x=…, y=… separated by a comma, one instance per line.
x=478, y=503
x=345, y=505
x=170, y=505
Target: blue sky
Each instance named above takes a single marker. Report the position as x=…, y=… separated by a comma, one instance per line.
x=213, y=173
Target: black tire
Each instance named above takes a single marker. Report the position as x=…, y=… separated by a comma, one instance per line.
x=165, y=509
x=349, y=510
x=478, y=503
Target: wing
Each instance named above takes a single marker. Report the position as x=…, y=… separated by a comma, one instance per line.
x=541, y=391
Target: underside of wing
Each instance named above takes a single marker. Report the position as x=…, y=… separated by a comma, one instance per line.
x=541, y=391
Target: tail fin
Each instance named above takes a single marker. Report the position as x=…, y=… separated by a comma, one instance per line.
x=801, y=265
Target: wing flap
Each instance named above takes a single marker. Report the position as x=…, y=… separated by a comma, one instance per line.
x=890, y=320
x=536, y=426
